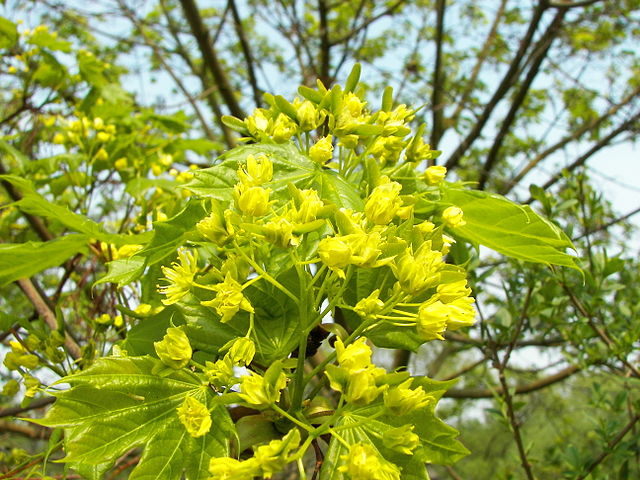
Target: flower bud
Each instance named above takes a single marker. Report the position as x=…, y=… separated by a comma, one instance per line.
x=452, y=216
x=310, y=205
x=362, y=389
x=383, y=203
x=258, y=123
x=322, y=151
x=461, y=313
x=195, y=417
x=434, y=175
x=273, y=457
x=415, y=273
x=370, y=306
x=307, y=116
x=448, y=292
x=334, y=252
x=401, y=439
x=242, y=351
x=283, y=129
x=402, y=400
x=432, y=320
x=252, y=201
x=174, y=349
x=213, y=227
x=363, y=462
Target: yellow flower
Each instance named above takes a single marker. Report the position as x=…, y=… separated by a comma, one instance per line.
x=273, y=457
x=213, y=227
x=283, y=128
x=370, y=306
x=448, y=292
x=258, y=122
x=363, y=462
x=259, y=393
x=401, y=439
x=362, y=389
x=461, y=313
x=453, y=217
x=402, y=400
x=229, y=299
x=308, y=115
x=195, y=417
x=180, y=276
x=227, y=468
x=280, y=232
x=174, y=350
x=310, y=205
x=322, y=151
x=59, y=138
x=252, y=201
x=351, y=113
x=434, y=175
x=242, y=351
x=354, y=357
x=417, y=272
x=220, y=373
x=432, y=320
x=384, y=202
x=335, y=253
x=257, y=171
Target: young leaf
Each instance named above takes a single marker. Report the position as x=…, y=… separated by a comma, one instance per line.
x=513, y=230
x=118, y=404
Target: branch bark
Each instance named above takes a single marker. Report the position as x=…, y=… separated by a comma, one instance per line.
x=437, y=97
x=538, y=55
x=509, y=78
x=246, y=51
x=201, y=34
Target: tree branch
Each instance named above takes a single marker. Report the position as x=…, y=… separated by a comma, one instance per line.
x=538, y=55
x=47, y=315
x=325, y=45
x=587, y=127
x=39, y=403
x=201, y=34
x=246, y=51
x=628, y=124
x=392, y=8
x=527, y=388
x=508, y=80
x=482, y=56
x=437, y=97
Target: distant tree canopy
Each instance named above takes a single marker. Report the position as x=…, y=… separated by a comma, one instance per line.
x=152, y=149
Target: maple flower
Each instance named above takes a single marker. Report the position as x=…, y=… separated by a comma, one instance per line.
x=252, y=200
x=242, y=351
x=384, y=202
x=174, y=349
x=273, y=457
x=229, y=299
x=362, y=389
x=227, y=468
x=453, y=217
x=401, y=439
x=434, y=175
x=363, y=462
x=258, y=170
x=220, y=373
x=180, y=276
x=432, y=320
x=195, y=417
x=258, y=392
x=369, y=306
x=322, y=151
x=335, y=253
x=354, y=357
x=417, y=272
x=401, y=400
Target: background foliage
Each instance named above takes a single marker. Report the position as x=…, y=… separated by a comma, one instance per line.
x=519, y=96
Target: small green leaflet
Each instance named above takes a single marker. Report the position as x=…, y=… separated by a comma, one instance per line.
x=511, y=229
x=118, y=404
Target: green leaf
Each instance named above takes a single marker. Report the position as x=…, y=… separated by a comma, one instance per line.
x=48, y=40
x=201, y=146
x=8, y=33
x=353, y=78
x=513, y=230
x=124, y=271
x=170, y=234
x=22, y=260
x=333, y=187
x=119, y=404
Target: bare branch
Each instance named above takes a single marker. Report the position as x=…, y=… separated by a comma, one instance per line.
x=538, y=55
x=201, y=34
x=246, y=51
x=507, y=82
x=587, y=127
x=603, y=142
x=39, y=403
x=526, y=388
x=437, y=97
x=47, y=315
x=325, y=45
x=566, y=4
x=392, y=8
